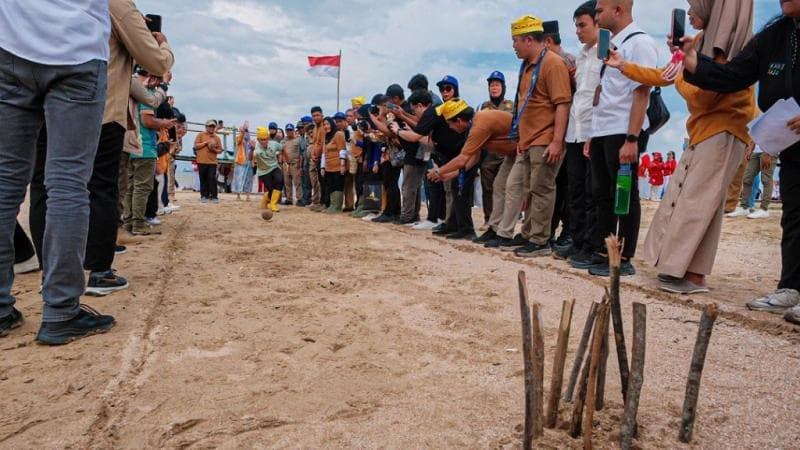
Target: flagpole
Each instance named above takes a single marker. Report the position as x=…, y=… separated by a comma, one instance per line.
x=338, y=80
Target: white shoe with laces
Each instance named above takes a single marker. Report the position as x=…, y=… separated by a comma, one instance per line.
x=426, y=225
x=758, y=214
x=738, y=212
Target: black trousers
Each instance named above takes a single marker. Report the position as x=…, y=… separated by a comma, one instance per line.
x=151, y=210
x=605, y=164
x=23, y=247
x=272, y=181
x=103, y=198
x=390, y=176
x=360, y=178
x=437, y=200
x=581, y=208
x=463, y=200
x=790, y=220
x=334, y=181
x=561, y=210
x=208, y=180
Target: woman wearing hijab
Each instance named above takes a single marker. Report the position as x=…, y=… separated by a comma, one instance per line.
x=242, y=171
x=685, y=231
x=335, y=164
x=771, y=60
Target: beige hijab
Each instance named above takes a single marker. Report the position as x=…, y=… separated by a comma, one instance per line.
x=729, y=25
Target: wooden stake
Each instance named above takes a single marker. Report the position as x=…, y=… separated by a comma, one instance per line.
x=576, y=367
x=557, y=380
x=577, y=410
x=601, y=371
x=538, y=370
x=527, y=358
x=637, y=374
x=696, y=372
x=591, y=391
x=615, y=261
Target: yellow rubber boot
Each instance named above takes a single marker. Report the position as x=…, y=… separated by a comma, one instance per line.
x=264, y=201
x=276, y=197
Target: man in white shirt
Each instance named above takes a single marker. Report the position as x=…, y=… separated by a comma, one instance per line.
x=582, y=216
x=617, y=131
x=49, y=69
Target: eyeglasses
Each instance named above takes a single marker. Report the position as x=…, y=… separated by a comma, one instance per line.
x=446, y=88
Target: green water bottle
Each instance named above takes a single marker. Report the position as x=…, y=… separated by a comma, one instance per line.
x=622, y=201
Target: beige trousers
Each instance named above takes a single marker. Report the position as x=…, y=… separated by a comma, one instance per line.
x=499, y=195
x=542, y=198
x=685, y=231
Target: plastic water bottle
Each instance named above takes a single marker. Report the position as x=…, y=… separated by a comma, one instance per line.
x=622, y=201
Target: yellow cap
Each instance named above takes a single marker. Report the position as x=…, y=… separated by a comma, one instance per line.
x=262, y=133
x=358, y=101
x=526, y=24
x=451, y=108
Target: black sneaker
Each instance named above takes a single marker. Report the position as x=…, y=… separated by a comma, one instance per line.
x=531, y=250
x=86, y=323
x=509, y=245
x=441, y=230
x=104, y=283
x=587, y=260
x=485, y=237
x=383, y=218
x=120, y=250
x=565, y=252
x=11, y=321
x=468, y=235
x=603, y=270
x=565, y=240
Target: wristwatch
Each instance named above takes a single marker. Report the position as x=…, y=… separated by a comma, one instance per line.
x=632, y=138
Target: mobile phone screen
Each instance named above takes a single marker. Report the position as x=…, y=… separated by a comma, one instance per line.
x=678, y=25
x=604, y=44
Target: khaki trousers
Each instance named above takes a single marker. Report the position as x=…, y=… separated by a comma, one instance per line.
x=313, y=175
x=499, y=195
x=140, y=184
x=735, y=188
x=292, y=180
x=542, y=198
x=684, y=234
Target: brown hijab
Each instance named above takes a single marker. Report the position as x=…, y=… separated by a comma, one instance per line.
x=728, y=25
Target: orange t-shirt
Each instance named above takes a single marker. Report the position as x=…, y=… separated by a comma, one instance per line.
x=204, y=155
x=318, y=142
x=332, y=148
x=490, y=129
x=537, y=124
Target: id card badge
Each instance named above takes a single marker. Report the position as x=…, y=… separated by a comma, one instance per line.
x=597, y=91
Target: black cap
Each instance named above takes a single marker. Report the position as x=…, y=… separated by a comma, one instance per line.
x=550, y=27
x=395, y=90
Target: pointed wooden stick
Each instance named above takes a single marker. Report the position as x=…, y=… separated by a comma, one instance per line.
x=538, y=370
x=577, y=410
x=601, y=371
x=527, y=358
x=591, y=391
x=576, y=366
x=696, y=371
x=637, y=374
x=614, y=247
x=557, y=380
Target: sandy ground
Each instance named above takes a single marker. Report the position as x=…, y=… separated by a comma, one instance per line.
x=313, y=331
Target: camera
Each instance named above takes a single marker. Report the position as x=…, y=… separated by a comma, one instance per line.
x=373, y=109
x=363, y=125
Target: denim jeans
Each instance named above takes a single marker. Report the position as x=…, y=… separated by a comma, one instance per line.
x=72, y=99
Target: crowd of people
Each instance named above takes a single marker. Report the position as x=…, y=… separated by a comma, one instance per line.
x=562, y=151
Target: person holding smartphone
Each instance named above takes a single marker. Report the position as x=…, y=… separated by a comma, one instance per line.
x=770, y=58
x=682, y=241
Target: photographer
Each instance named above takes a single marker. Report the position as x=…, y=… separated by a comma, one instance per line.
x=390, y=172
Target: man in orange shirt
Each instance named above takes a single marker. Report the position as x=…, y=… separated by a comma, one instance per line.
x=315, y=155
x=207, y=145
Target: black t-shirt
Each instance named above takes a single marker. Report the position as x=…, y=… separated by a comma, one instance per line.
x=448, y=142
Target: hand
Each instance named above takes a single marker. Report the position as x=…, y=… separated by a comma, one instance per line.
x=587, y=149
x=375, y=168
x=629, y=153
x=341, y=170
x=433, y=175
x=748, y=152
x=766, y=162
x=794, y=124
x=322, y=172
x=160, y=38
x=615, y=60
x=553, y=152
x=212, y=146
x=520, y=150
x=394, y=127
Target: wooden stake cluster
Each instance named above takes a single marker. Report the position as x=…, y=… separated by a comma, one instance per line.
x=557, y=379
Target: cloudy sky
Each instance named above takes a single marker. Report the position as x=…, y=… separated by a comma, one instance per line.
x=246, y=59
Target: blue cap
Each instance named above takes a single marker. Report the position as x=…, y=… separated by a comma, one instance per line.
x=273, y=126
x=496, y=76
x=448, y=79
x=289, y=127
x=340, y=116
x=306, y=119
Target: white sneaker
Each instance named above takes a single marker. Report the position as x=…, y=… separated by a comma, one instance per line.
x=758, y=214
x=738, y=212
x=174, y=206
x=161, y=211
x=369, y=217
x=154, y=221
x=411, y=225
x=169, y=209
x=29, y=265
x=426, y=225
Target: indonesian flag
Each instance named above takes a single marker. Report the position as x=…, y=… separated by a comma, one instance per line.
x=324, y=66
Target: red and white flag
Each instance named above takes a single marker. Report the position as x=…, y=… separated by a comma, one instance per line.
x=324, y=66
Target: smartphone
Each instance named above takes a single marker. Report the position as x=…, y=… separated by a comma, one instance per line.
x=153, y=22
x=678, y=26
x=604, y=44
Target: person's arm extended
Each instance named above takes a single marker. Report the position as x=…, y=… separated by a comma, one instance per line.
x=650, y=76
x=150, y=98
x=740, y=73
x=629, y=153
x=149, y=121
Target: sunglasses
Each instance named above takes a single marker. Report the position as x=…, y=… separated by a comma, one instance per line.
x=446, y=88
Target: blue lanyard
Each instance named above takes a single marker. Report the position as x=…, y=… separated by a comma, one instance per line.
x=514, y=135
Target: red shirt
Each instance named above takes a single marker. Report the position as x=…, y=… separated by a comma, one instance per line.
x=669, y=167
x=644, y=164
x=656, y=171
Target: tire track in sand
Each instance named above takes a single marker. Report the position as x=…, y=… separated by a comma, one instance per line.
x=139, y=351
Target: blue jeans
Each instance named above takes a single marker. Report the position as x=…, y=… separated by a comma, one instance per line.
x=71, y=100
